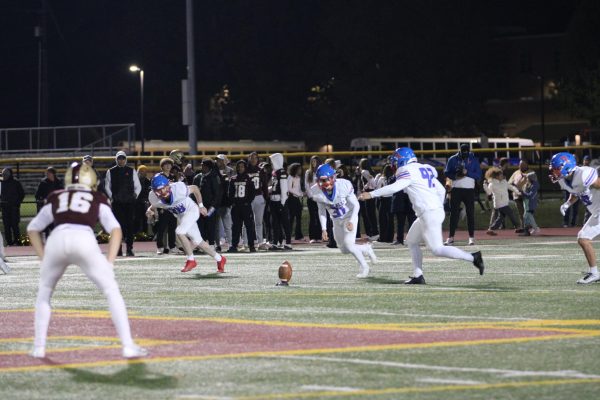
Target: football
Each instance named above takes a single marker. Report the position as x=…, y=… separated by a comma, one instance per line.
x=285, y=273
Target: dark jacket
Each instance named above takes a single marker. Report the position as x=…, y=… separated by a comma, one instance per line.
x=241, y=189
x=12, y=192
x=456, y=163
x=210, y=188
x=46, y=187
x=121, y=184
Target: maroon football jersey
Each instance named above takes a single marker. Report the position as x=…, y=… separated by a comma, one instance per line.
x=72, y=206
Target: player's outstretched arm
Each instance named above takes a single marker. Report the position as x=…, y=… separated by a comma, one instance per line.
x=196, y=192
x=114, y=243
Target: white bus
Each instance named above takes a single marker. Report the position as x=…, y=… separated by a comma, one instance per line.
x=449, y=146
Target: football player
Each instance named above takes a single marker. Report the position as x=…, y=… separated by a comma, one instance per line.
x=241, y=194
x=175, y=197
x=426, y=194
x=338, y=198
x=582, y=183
x=74, y=212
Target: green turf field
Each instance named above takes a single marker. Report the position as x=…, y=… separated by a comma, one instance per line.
x=524, y=330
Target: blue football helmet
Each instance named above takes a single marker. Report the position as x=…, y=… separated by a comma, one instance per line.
x=160, y=185
x=561, y=165
x=403, y=156
x=325, y=177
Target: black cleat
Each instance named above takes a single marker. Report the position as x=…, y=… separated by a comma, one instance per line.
x=232, y=249
x=252, y=249
x=130, y=253
x=415, y=280
x=478, y=262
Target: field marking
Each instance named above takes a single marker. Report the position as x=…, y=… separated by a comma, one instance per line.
x=402, y=346
x=432, y=389
x=500, y=373
x=450, y=381
x=330, y=388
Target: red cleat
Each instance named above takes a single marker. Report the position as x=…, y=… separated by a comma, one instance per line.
x=189, y=265
x=221, y=265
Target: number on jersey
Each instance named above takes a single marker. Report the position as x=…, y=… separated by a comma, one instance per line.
x=79, y=202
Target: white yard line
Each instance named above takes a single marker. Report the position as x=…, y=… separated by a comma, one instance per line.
x=329, y=388
x=502, y=373
x=449, y=381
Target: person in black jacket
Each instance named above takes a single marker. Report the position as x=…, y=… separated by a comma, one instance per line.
x=122, y=186
x=47, y=185
x=167, y=222
x=140, y=222
x=209, y=183
x=241, y=193
x=11, y=197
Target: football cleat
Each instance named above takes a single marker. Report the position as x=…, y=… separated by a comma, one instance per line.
x=364, y=272
x=471, y=242
x=589, y=278
x=478, y=262
x=4, y=267
x=189, y=265
x=134, y=351
x=449, y=242
x=38, y=352
x=232, y=249
x=221, y=265
x=415, y=280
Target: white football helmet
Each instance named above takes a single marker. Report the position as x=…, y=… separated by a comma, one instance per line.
x=78, y=175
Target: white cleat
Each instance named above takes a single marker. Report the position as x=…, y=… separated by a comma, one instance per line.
x=38, y=352
x=364, y=272
x=589, y=278
x=134, y=351
x=471, y=242
x=4, y=267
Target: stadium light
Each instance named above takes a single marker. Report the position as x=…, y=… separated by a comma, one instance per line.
x=135, y=68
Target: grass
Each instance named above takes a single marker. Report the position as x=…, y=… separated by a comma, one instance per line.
x=529, y=285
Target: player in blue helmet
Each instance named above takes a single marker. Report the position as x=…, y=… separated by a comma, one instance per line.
x=160, y=186
x=338, y=198
x=561, y=165
x=582, y=183
x=426, y=193
x=403, y=156
x=175, y=198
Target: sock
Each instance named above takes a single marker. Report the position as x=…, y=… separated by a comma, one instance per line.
x=594, y=270
x=217, y=257
x=190, y=258
x=417, y=272
x=417, y=259
x=118, y=313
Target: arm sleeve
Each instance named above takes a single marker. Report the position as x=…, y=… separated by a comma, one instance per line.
x=107, y=185
x=137, y=187
x=391, y=189
x=322, y=216
x=42, y=219
x=107, y=218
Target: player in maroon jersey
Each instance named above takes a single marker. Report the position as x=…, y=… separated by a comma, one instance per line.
x=74, y=212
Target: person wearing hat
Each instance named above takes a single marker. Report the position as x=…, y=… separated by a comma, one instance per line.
x=122, y=186
x=519, y=179
x=464, y=171
x=11, y=197
x=89, y=160
x=140, y=222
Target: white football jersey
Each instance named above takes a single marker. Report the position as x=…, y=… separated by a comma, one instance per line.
x=343, y=204
x=420, y=182
x=179, y=201
x=579, y=185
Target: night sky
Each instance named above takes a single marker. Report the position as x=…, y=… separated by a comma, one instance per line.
x=386, y=66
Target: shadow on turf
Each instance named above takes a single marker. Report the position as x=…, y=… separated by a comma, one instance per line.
x=134, y=375
x=384, y=281
x=214, y=275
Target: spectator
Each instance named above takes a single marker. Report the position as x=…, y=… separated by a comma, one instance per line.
x=261, y=189
x=178, y=160
x=366, y=183
x=267, y=169
x=89, y=160
x=463, y=170
x=122, y=187
x=530, y=200
x=314, y=227
x=241, y=192
x=223, y=221
x=498, y=187
x=294, y=201
x=518, y=179
x=386, y=223
x=209, y=182
x=11, y=197
x=280, y=218
x=402, y=210
x=140, y=222
x=47, y=185
x=166, y=223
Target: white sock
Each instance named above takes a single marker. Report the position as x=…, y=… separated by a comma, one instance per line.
x=190, y=258
x=42, y=316
x=417, y=259
x=217, y=257
x=594, y=270
x=118, y=312
x=417, y=272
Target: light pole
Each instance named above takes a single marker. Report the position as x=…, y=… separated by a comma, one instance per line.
x=135, y=68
